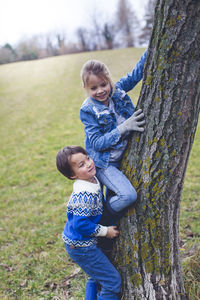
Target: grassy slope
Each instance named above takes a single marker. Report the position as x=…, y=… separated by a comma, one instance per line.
x=39, y=106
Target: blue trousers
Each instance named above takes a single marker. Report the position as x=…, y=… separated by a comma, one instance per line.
x=95, y=263
x=120, y=193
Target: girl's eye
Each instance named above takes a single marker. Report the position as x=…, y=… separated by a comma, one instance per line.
x=93, y=88
x=104, y=84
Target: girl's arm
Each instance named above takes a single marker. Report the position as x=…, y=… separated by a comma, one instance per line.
x=128, y=82
x=100, y=141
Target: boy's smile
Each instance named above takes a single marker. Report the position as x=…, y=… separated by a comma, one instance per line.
x=98, y=88
x=83, y=167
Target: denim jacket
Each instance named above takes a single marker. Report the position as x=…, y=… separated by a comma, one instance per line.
x=101, y=133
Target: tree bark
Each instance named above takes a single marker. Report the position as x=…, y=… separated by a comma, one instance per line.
x=147, y=251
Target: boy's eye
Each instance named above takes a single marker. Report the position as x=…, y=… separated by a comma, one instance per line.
x=104, y=84
x=93, y=88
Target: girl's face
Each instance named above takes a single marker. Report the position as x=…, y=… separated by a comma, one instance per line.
x=98, y=88
x=82, y=166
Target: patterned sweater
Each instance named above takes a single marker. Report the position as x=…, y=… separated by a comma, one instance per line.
x=84, y=211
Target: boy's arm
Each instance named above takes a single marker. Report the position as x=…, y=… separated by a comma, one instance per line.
x=128, y=82
x=87, y=228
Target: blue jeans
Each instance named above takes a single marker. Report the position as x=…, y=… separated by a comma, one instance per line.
x=93, y=262
x=120, y=193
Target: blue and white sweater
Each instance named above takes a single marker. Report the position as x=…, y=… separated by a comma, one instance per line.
x=84, y=211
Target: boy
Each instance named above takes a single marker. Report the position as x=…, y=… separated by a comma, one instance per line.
x=84, y=211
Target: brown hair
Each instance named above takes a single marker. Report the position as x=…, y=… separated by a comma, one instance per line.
x=63, y=157
x=97, y=68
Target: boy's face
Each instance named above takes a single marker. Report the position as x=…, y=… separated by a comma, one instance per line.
x=82, y=166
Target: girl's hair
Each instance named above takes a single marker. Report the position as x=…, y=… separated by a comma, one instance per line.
x=95, y=67
x=63, y=157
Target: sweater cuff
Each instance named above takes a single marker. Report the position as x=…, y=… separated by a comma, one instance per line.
x=103, y=231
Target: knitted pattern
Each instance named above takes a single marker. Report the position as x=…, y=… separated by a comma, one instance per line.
x=84, y=211
x=85, y=204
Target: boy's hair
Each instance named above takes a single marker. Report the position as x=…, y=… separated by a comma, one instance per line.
x=63, y=157
x=95, y=67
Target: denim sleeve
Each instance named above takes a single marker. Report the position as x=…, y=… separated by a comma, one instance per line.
x=128, y=82
x=85, y=226
x=94, y=132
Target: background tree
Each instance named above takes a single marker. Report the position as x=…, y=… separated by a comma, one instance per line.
x=126, y=22
x=7, y=54
x=61, y=42
x=83, y=39
x=147, y=252
x=149, y=19
x=108, y=34
x=28, y=49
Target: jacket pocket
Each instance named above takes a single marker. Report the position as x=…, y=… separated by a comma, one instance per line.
x=106, y=123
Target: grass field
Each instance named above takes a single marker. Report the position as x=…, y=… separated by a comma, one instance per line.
x=39, y=107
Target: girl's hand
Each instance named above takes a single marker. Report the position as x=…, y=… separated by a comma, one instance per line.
x=112, y=232
x=133, y=123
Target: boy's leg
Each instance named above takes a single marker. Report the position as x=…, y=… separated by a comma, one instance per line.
x=91, y=289
x=95, y=263
x=121, y=192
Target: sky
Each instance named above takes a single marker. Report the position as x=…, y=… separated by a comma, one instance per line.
x=20, y=19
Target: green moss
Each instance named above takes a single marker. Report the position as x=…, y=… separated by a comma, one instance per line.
x=162, y=142
x=157, y=99
x=172, y=22
x=155, y=140
x=149, y=79
x=174, y=153
x=135, y=248
x=136, y=236
x=144, y=251
x=136, y=279
x=137, y=139
x=149, y=266
x=158, y=155
x=127, y=259
x=179, y=17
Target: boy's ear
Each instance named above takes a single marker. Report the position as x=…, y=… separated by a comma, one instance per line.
x=73, y=177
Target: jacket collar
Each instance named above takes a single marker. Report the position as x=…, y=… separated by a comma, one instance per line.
x=98, y=103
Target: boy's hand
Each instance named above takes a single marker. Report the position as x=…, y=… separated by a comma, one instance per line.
x=112, y=232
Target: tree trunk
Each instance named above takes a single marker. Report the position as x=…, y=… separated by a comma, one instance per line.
x=147, y=252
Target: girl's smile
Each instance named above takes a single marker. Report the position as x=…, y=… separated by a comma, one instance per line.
x=98, y=88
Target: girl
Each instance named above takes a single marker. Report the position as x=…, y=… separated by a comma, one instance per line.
x=82, y=228
x=108, y=116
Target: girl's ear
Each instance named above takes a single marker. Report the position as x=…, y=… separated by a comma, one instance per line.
x=73, y=177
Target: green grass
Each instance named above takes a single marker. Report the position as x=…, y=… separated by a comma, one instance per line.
x=40, y=102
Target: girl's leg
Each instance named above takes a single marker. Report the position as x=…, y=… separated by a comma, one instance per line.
x=121, y=193
x=97, y=265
